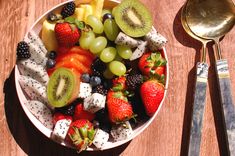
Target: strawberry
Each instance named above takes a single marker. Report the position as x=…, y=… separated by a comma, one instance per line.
x=59, y=116
x=119, y=110
x=152, y=63
x=152, y=93
x=81, y=133
x=117, y=94
x=119, y=83
x=80, y=113
x=67, y=34
x=63, y=50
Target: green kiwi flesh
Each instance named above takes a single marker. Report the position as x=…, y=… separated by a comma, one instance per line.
x=133, y=18
x=60, y=87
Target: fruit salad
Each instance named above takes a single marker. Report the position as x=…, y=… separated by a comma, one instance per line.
x=93, y=74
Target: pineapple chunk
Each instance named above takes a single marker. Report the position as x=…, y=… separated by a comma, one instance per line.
x=97, y=6
x=88, y=10
x=78, y=2
x=79, y=14
x=48, y=36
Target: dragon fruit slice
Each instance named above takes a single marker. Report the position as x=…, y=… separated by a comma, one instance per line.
x=35, y=39
x=94, y=103
x=34, y=89
x=123, y=39
x=85, y=90
x=41, y=112
x=155, y=40
x=101, y=138
x=139, y=51
x=33, y=70
x=60, y=130
x=121, y=131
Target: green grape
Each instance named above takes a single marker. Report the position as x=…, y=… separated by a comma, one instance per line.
x=108, y=74
x=124, y=51
x=111, y=29
x=105, y=11
x=95, y=23
x=86, y=39
x=117, y=68
x=98, y=44
x=108, y=54
x=118, y=58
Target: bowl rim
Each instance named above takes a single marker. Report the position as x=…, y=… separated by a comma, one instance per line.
x=47, y=132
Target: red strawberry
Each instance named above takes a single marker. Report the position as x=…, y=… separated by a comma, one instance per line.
x=119, y=110
x=67, y=34
x=80, y=113
x=63, y=50
x=81, y=133
x=59, y=116
x=152, y=93
x=152, y=63
x=118, y=94
x=119, y=83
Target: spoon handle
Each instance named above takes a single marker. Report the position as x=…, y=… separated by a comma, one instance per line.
x=198, y=109
x=226, y=103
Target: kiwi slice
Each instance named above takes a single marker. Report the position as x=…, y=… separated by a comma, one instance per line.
x=62, y=87
x=133, y=18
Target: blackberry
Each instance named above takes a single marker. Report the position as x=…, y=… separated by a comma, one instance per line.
x=23, y=50
x=98, y=67
x=68, y=9
x=67, y=110
x=134, y=81
x=100, y=89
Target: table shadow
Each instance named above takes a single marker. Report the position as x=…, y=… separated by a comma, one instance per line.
x=29, y=138
x=188, y=41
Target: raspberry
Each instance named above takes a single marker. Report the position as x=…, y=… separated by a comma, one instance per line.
x=23, y=50
x=68, y=10
x=134, y=81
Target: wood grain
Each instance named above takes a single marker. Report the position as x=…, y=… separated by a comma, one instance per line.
x=166, y=136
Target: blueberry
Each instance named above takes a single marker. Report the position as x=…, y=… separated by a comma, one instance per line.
x=51, y=63
x=95, y=80
x=52, y=55
x=107, y=16
x=85, y=78
x=96, y=124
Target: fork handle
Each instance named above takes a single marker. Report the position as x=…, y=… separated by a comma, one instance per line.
x=226, y=103
x=198, y=109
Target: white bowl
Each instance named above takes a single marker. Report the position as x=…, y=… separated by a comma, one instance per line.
x=47, y=132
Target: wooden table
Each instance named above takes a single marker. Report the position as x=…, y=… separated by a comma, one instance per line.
x=166, y=136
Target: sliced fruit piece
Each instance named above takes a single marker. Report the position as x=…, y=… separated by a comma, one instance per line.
x=72, y=55
x=63, y=87
x=48, y=36
x=81, y=51
x=88, y=11
x=97, y=6
x=79, y=13
x=78, y=2
x=133, y=18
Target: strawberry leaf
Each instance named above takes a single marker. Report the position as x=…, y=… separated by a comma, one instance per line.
x=79, y=24
x=70, y=20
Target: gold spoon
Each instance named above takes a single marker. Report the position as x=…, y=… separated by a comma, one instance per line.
x=200, y=92
x=212, y=19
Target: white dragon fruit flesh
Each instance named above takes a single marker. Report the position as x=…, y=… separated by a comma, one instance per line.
x=34, y=89
x=155, y=40
x=94, y=103
x=33, y=70
x=123, y=39
x=41, y=112
x=100, y=139
x=139, y=51
x=60, y=130
x=36, y=48
x=85, y=90
x=121, y=131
